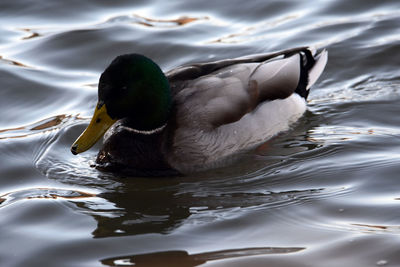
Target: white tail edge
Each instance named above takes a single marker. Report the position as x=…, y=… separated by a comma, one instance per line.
x=318, y=68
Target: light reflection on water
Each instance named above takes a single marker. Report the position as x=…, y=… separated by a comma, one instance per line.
x=325, y=192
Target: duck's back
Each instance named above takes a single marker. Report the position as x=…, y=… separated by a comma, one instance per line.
x=227, y=106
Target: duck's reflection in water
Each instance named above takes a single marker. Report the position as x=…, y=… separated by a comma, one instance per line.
x=184, y=259
x=142, y=206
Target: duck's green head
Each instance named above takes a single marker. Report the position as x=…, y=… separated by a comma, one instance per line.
x=132, y=87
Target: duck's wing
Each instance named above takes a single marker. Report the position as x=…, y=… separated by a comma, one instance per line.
x=221, y=92
x=193, y=71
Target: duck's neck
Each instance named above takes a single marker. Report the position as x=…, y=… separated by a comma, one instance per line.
x=156, y=105
x=152, y=106
x=132, y=125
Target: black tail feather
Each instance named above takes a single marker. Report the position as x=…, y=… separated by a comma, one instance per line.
x=307, y=61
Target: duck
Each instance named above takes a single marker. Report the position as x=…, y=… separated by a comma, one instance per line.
x=196, y=116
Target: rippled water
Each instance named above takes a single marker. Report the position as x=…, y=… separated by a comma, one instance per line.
x=324, y=194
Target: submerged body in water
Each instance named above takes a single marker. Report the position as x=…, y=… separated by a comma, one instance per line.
x=196, y=116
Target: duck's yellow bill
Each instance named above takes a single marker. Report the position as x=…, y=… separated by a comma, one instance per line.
x=99, y=124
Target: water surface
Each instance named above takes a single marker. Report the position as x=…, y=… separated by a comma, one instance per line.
x=326, y=193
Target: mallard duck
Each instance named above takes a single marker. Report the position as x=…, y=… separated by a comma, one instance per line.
x=195, y=116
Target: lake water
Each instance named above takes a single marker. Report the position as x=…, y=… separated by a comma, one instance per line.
x=327, y=193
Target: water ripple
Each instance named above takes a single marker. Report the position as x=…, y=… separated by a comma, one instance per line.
x=42, y=193
x=40, y=127
x=153, y=22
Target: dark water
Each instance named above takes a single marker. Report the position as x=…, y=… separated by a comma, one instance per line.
x=325, y=194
